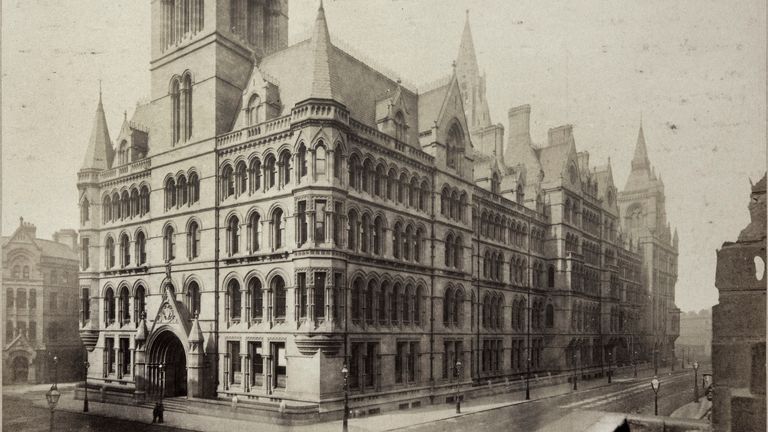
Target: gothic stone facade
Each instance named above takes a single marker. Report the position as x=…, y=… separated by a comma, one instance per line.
x=277, y=212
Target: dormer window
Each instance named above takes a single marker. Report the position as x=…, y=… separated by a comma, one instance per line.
x=495, y=183
x=253, y=111
x=454, y=146
x=400, y=127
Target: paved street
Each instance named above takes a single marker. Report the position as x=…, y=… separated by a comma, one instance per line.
x=505, y=411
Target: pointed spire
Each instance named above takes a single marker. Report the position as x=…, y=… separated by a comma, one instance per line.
x=99, y=153
x=640, y=160
x=467, y=60
x=324, y=82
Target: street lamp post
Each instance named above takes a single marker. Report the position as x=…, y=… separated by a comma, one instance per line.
x=575, y=373
x=656, y=361
x=610, y=355
x=695, y=381
x=655, y=384
x=345, y=418
x=682, y=360
x=162, y=392
x=634, y=362
x=458, y=387
x=85, y=385
x=53, y=395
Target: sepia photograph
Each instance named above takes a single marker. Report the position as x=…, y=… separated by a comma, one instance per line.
x=383, y=215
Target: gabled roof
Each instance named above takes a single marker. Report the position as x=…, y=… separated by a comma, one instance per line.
x=552, y=160
x=430, y=104
x=99, y=153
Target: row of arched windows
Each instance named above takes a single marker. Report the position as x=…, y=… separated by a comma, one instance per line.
x=180, y=20
x=493, y=311
x=120, y=206
x=571, y=243
x=181, y=191
x=120, y=254
x=492, y=265
x=571, y=211
x=537, y=240
x=499, y=228
x=402, y=188
x=253, y=232
x=454, y=251
x=256, y=302
x=591, y=252
x=453, y=204
x=518, y=270
x=241, y=178
x=591, y=222
x=585, y=317
x=367, y=234
x=120, y=309
x=387, y=303
x=19, y=272
x=453, y=307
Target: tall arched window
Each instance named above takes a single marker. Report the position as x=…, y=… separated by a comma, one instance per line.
x=270, y=172
x=320, y=164
x=233, y=235
x=85, y=211
x=139, y=303
x=417, y=305
x=278, y=290
x=169, y=244
x=285, y=167
x=227, y=181
x=353, y=230
x=194, y=188
x=378, y=232
x=301, y=162
x=170, y=193
x=550, y=316
x=235, y=304
x=257, y=298
x=125, y=250
x=254, y=175
x=175, y=110
x=193, y=298
x=356, y=294
x=254, y=230
x=458, y=253
x=135, y=203
x=182, y=191
x=116, y=206
x=395, y=304
x=109, y=306
x=110, y=252
x=253, y=111
x=366, y=233
x=106, y=208
x=241, y=178
x=338, y=155
x=144, y=200
x=449, y=251
x=186, y=96
x=454, y=146
x=141, y=248
x=193, y=240
x=124, y=306
x=277, y=228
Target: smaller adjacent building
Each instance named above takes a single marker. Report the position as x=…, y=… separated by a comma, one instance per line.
x=738, y=323
x=695, y=340
x=41, y=306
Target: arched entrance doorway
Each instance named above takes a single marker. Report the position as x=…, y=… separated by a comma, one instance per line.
x=168, y=351
x=20, y=369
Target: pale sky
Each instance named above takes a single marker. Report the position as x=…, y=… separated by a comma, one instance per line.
x=694, y=70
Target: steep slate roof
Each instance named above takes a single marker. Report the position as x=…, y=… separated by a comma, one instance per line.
x=48, y=248
x=430, y=104
x=552, y=160
x=99, y=153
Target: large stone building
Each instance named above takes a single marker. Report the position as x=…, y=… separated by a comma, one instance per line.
x=280, y=211
x=738, y=323
x=695, y=341
x=40, y=300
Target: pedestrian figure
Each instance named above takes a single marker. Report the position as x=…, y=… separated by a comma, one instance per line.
x=160, y=410
x=155, y=412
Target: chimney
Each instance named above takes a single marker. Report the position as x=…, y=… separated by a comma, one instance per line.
x=29, y=228
x=67, y=237
x=561, y=135
x=519, y=133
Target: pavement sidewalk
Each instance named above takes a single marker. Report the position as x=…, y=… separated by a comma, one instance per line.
x=388, y=420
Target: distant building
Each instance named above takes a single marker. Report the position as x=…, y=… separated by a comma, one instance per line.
x=738, y=323
x=695, y=341
x=40, y=298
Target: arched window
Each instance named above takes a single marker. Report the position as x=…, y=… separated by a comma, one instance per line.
x=417, y=307
x=357, y=307
x=301, y=162
x=169, y=244
x=186, y=95
x=320, y=163
x=366, y=233
x=124, y=306
x=413, y=192
x=109, y=306
x=382, y=302
x=338, y=155
x=125, y=205
x=550, y=316
x=369, y=301
x=193, y=298
x=254, y=231
x=254, y=175
x=182, y=189
x=253, y=111
x=110, y=252
x=116, y=207
x=353, y=230
x=495, y=183
x=551, y=277
x=125, y=250
x=392, y=185
x=235, y=304
x=233, y=235
x=141, y=248
x=400, y=126
x=106, y=207
x=448, y=307
x=25, y=272
x=367, y=176
x=175, y=110
x=458, y=253
x=277, y=228
x=135, y=204
x=402, y=187
x=144, y=200
x=458, y=308
x=378, y=232
x=257, y=299
x=449, y=251
x=139, y=303
x=170, y=193
x=193, y=240
x=270, y=172
x=241, y=179
x=278, y=290
x=394, y=301
x=85, y=211
x=380, y=181
x=424, y=196
x=454, y=146
x=285, y=167
x=407, y=303
x=406, y=250
x=227, y=181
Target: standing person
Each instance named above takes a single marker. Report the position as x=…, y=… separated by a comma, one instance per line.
x=155, y=412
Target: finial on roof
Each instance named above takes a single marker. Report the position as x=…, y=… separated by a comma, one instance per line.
x=21, y=220
x=321, y=6
x=125, y=115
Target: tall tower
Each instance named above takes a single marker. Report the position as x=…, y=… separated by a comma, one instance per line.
x=486, y=137
x=644, y=221
x=201, y=57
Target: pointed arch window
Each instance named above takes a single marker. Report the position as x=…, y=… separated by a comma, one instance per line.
x=144, y=200
x=193, y=298
x=320, y=161
x=301, y=162
x=169, y=244
x=125, y=250
x=257, y=298
x=193, y=240
x=141, y=248
x=139, y=303
x=454, y=146
x=278, y=290
x=254, y=230
x=241, y=179
x=234, y=304
x=175, y=110
x=109, y=306
x=85, y=211
x=124, y=306
x=233, y=235
x=170, y=193
x=227, y=181
x=277, y=228
x=254, y=175
x=253, y=111
x=270, y=171
x=186, y=106
x=285, y=167
x=182, y=191
x=194, y=188
x=110, y=252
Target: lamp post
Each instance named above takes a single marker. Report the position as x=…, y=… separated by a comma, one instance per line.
x=656, y=361
x=85, y=385
x=655, y=384
x=695, y=381
x=345, y=418
x=610, y=356
x=682, y=360
x=162, y=391
x=52, y=396
x=634, y=362
x=458, y=386
x=575, y=372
